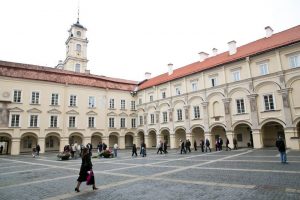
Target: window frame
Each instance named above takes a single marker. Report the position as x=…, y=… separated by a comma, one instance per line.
x=73, y=100
x=15, y=120
x=33, y=121
x=123, y=104
x=263, y=68
x=122, y=122
x=91, y=122
x=267, y=105
x=240, y=106
x=17, y=98
x=111, y=103
x=164, y=117
x=72, y=123
x=53, y=122
x=92, y=102
x=35, y=97
x=196, y=110
x=54, y=99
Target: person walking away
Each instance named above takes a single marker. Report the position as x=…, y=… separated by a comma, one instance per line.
x=34, y=152
x=160, y=147
x=1, y=149
x=38, y=149
x=99, y=147
x=195, y=145
x=220, y=143
x=234, y=144
x=227, y=145
x=281, y=148
x=165, y=147
x=188, y=145
x=85, y=169
x=134, y=150
x=116, y=150
x=182, y=145
x=202, y=145
x=143, y=149
x=207, y=145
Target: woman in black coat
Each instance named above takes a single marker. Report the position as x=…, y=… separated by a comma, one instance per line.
x=86, y=167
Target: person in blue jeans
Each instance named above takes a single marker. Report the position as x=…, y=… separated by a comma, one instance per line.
x=281, y=148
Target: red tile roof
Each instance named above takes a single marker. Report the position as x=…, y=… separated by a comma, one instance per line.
x=34, y=72
x=280, y=39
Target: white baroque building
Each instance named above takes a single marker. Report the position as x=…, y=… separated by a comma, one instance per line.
x=249, y=93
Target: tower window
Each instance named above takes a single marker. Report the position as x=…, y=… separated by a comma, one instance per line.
x=77, y=67
x=78, y=33
x=78, y=47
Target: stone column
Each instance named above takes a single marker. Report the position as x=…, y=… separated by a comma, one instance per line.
x=147, y=142
x=41, y=142
x=173, y=144
x=190, y=137
x=63, y=142
x=205, y=116
x=253, y=110
x=15, y=146
x=291, y=138
x=227, y=113
x=137, y=141
x=122, y=142
x=257, y=138
x=230, y=135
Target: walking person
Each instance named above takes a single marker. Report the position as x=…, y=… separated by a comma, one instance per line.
x=143, y=149
x=116, y=147
x=1, y=149
x=235, y=144
x=34, y=152
x=220, y=144
x=188, y=145
x=182, y=145
x=160, y=147
x=202, y=145
x=85, y=169
x=99, y=147
x=134, y=150
x=195, y=145
x=207, y=145
x=165, y=147
x=227, y=145
x=281, y=148
x=38, y=149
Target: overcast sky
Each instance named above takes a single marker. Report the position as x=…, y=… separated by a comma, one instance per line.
x=130, y=37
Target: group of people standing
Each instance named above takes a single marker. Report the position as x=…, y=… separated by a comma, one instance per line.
x=162, y=147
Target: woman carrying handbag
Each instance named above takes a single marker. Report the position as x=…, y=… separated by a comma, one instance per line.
x=86, y=171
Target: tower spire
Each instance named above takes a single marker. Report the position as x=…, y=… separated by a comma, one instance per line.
x=78, y=13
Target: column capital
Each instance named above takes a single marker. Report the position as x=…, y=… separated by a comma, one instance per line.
x=252, y=96
x=204, y=103
x=226, y=100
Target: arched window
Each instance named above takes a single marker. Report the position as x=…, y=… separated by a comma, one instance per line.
x=77, y=67
x=78, y=47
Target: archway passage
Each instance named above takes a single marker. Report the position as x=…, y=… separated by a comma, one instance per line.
x=5, y=142
x=165, y=136
x=218, y=132
x=140, y=139
x=113, y=139
x=179, y=135
x=96, y=139
x=152, y=139
x=270, y=132
x=298, y=129
x=243, y=135
x=129, y=140
x=52, y=142
x=198, y=135
x=28, y=142
x=76, y=138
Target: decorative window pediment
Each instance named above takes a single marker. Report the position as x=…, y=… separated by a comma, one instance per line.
x=72, y=112
x=16, y=109
x=54, y=111
x=123, y=114
x=91, y=113
x=133, y=115
x=111, y=114
x=34, y=110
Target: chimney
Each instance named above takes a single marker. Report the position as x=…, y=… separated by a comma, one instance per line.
x=203, y=56
x=147, y=75
x=170, y=67
x=269, y=31
x=232, y=47
x=215, y=51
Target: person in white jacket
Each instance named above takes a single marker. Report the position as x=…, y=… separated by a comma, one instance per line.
x=116, y=147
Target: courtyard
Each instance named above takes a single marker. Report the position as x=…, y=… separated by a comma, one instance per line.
x=239, y=174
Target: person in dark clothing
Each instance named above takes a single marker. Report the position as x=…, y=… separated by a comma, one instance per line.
x=195, y=145
x=85, y=169
x=182, y=145
x=160, y=147
x=281, y=148
x=227, y=143
x=188, y=145
x=207, y=145
x=165, y=147
x=143, y=149
x=202, y=145
x=234, y=144
x=99, y=147
x=104, y=146
x=220, y=143
x=89, y=146
x=134, y=150
x=38, y=149
x=1, y=149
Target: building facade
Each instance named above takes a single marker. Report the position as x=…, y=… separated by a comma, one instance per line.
x=249, y=93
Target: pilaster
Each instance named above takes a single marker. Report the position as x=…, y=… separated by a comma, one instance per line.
x=15, y=146
x=257, y=138
x=253, y=110
x=292, y=140
x=63, y=142
x=41, y=142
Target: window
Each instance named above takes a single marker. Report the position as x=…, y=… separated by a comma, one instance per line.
x=111, y=122
x=179, y=115
x=27, y=143
x=264, y=69
x=122, y=104
x=33, y=121
x=177, y=91
x=78, y=33
x=77, y=67
x=54, y=99
x=152, y=118
x=196, y=112
x=239, y=137
x=91, y=122
x=92, y=102
x=73, y=99
x=53, y=121
x=133, y=123
x=163, y=95
x=132, y=105
x=17, y=96
x=151, y=98
x=165, y=117
x=269, y=102
x=141, y=120
x=112, y=104
x=78, y=47
x=213, y=81
x=194, y=86
x=35, y=96
x=240, y=106
x=123, y=122
x=294, y=61
x=72, y=121
x=15, y=121
x=236, y=75
x=140, y=101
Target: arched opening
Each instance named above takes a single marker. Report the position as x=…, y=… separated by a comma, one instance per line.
x=216, y=109
x=179, y=135
x=113, y=139
x=165, y=134
x=96, y=139
x=243, y=135
x=28, y=141
x=76, y=138
x=140, y=139
x=129, y=140
x=52, y=142
x=5, y=142
x=198, y=135
x=270, y=132
x=298, y=129
x=152, y=139
x=218, y=132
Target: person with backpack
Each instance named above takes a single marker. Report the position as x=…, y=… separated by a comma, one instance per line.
x=227, y=145
x=281, y=148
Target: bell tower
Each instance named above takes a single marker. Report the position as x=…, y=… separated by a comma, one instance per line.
x=76, y=46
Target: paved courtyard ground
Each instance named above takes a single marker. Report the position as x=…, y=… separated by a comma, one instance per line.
x=240, y=174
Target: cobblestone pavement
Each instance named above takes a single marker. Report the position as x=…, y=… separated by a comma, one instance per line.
x=240, y=174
